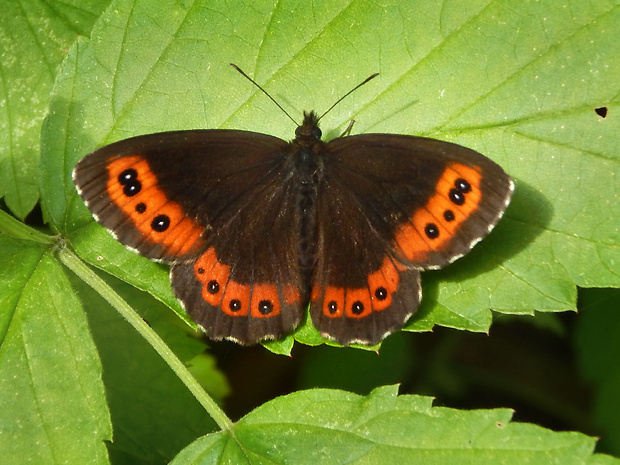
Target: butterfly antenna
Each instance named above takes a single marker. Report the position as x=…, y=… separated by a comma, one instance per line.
x=372, y=76
x=267, y=94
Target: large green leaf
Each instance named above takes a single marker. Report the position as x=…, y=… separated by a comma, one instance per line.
x=34, y=37
x=517, y=82
x=52, y=373
x=327, y=426
x=152, y=412
x=52, y=407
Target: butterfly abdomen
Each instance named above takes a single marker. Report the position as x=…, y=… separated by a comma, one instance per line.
x=307, y=228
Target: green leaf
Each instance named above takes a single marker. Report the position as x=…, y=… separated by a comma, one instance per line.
x=153, y=414
x=517, y=83
x=51, y=371
x=328, y=426
x=34, y=37
x=50, y=376
x=146, y=275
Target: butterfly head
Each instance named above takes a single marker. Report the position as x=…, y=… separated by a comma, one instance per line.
x=309, y=129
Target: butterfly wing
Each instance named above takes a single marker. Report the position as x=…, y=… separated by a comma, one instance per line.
x=216, y=205
x=388, y=206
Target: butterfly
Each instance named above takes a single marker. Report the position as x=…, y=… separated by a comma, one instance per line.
x=257, y=229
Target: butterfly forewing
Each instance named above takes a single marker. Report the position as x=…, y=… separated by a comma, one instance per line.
x=435, y=199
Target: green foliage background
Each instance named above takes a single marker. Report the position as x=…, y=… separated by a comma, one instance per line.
x=518, y=82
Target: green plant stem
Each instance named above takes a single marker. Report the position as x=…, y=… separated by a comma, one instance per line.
x=15, y=228
x=100, y=286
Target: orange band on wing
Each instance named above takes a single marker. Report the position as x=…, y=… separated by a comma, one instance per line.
x=291, y=294
x=358, y=303
x=235, y=299
x=265, y=301
x=213, y=275
x=333, y=302
x=361, y=302
x=432, y=227
x=382, y=284
x=133, y=187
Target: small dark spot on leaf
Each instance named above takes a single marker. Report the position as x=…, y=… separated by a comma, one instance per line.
x=602, y=111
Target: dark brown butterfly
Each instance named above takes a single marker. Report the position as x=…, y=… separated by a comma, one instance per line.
x=257, y=228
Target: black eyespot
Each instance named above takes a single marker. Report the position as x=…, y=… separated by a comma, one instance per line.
x=127, y=176
x=381, y=293
x=431, y=230
x=456, y=196
x=265, y=307
x=448, y=215
x=332, y=307
x=213, y=287
x=462, y=185
x=132, y=188
x=129, y=180
x=357, y=308
x=234, y=305
x=160, y=223
x=141, y=207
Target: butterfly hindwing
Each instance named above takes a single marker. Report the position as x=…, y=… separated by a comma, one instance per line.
x=198, y=200
x=247, y=285
x=389, y=206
